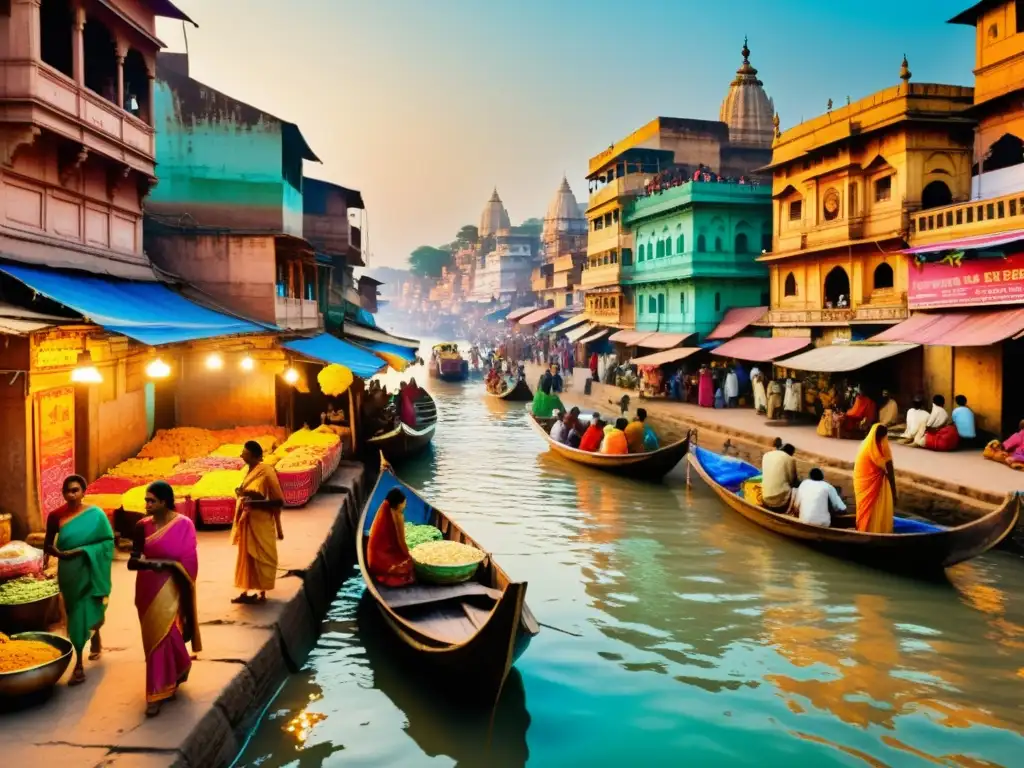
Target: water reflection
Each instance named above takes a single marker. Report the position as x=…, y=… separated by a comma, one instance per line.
x=689, y=632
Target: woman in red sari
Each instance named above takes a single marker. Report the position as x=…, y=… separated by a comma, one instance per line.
x=407, y=398
x=387, y=554
x=166, y=558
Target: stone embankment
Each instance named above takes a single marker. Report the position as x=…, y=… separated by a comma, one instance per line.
x=247, y=653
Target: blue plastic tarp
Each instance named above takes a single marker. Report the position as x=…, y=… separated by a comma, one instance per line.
x=409, y=355
x=727, y=471
x=146, y=311
x=331, y=349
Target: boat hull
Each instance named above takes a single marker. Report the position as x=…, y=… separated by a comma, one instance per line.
x=520, y=393
x=651, y=466
x=480, y=662
x=914, y=553
x=404, y=441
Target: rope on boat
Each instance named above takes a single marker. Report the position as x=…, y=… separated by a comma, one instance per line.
x=559, y=629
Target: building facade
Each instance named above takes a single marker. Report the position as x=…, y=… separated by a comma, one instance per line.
x=556, y=280
x=695, y=257
x=845, y=186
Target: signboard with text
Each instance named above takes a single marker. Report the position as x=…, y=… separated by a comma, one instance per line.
x=55, y=445
x=973, y=283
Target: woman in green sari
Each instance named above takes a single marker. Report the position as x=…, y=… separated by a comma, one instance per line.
x=81, y=538
x=544, y=402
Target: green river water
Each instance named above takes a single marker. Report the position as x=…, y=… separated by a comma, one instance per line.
x=704, y=641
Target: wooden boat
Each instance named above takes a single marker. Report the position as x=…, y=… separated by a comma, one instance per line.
x=472, y=631
x=519, y=392
x=404, y=441
x=447, y=364
x=914, y=546
x=653, y=465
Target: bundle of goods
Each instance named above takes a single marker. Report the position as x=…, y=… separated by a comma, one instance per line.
x=19, y=559
x=215, y=495
x=204, y=464
x=305, y=458
x=134, y=500
x=191, y=442
x=229, y=450
x=446, y=562
x=420, y=534
x=16, y=655
x=147, y=470
x=105, y=492
x=27, y=589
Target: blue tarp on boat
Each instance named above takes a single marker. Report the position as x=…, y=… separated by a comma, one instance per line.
x=331, y=349
x=149, y=312
x=725, y=470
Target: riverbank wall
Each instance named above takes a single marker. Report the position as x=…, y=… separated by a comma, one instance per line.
x=248, y=650
x=950, y=488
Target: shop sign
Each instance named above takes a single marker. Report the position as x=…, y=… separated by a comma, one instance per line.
x=55, y=445
x=58, y=349
x=972, y=283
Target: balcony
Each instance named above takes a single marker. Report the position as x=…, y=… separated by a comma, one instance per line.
x=864, y=314
x=606, y=274
x=543, y=283
x=297, y=314
x=626, y=185
x=608, y=239
x=35, y=93
x=881, y=225
x=978, y=217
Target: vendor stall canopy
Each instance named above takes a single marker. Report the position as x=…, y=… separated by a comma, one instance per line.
x=515, y=314
x=668, y=356
x=151, y=313
x=761, y=350
x=840, y=358
x=330, y=349
x=958, y=329
x=571, y=322
x=736, y=320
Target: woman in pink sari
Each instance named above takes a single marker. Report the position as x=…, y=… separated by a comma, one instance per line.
x=705, y=388
x=407, y=398
x=165, y=555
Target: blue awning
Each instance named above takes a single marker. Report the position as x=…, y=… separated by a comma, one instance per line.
x=409, y=355
x=331, y=349
x=498, y=314
x=148, y=312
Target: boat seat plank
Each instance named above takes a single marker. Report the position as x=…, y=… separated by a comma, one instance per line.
x=425, y=594
x=478, y=616
x=448, y=623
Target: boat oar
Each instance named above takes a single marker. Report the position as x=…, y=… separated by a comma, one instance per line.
x=559, y=629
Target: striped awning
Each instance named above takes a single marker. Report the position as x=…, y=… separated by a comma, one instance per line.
x=597, y=335
x=667, y=356
x=629, y=338
x=839, y=358
x=736, y=320
x=761, y=350
x=538, y=316
x=663, y=340
x=572, y=322
x=515, y=314
x=578, y=333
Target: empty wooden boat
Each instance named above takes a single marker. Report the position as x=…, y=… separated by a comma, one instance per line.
x=403, y=441
x=651, y=465
x=914, y=546
x=473, y=631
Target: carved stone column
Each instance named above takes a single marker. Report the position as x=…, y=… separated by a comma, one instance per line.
x=78, y=45
x=122, y=52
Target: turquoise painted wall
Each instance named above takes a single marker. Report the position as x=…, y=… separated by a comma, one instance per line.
x=695, y=254
x=218, y=164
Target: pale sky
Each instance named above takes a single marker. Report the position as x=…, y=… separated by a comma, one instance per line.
x=426, y=105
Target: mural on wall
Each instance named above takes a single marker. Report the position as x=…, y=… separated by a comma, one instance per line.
x=55, y=445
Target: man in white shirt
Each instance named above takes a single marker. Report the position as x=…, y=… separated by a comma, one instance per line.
x=937, y=419
x=778, y=477
x=816, y=499
x=916, y=418
x=559, y=433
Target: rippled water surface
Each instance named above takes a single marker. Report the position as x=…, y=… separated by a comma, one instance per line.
x=702, y=640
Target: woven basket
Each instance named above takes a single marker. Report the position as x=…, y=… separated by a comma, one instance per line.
x=445, y=574
x=216, y=511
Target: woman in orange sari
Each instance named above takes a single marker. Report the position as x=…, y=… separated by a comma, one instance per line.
x=387, y=554
x=874, y=483
x=165, y=556
x=257, y=527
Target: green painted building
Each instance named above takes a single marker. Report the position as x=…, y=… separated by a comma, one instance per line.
x=695, y=249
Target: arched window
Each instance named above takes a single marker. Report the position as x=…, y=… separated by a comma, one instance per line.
x=790, y=289
x=640, y=303
x=718, y=245
x=682, y=303
x=652, y=305
x=837, y=288
x=741, y=242
x=100, y=59
x=136, y=86
x=718, y=302
x=668, y=246
x=640, y=253
x=883, y=276
x=661, y=303
x=680, y=242
x=935, y=195
x=1005, y=152
x=661, y=248
x=702, y=244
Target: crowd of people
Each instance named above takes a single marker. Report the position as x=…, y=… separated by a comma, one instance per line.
x=382, y=411
x=165, y=559
x=599, y=436
x=679, y=175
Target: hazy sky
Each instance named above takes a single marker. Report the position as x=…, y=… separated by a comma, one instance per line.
x=425, y=105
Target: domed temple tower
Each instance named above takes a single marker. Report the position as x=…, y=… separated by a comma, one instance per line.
x=747, y=109
x=563, y=251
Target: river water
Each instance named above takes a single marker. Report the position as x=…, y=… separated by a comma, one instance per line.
x=702, y=640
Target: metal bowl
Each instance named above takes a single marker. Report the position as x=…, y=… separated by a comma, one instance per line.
x=33, y=680
x=35, y=616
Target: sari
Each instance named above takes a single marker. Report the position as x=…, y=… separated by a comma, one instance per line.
x=544, y=404
x=407, y=404
x=705, y=390
x=871, y=485
x=84, y=580
x=255, y=531
x=387, y=554
x=861, y=416
x=166, y=602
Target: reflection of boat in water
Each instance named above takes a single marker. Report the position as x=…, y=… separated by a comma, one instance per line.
x=472, y=632
x=470, y=735
x=516, y=391
x=914, y=547
x=404, y=441
x=447, y=364
x=651, y=465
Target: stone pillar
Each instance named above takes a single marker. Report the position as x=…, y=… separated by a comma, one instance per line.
x=150, y=115
x=122, y=52
x=78, y=45
x=24, y=30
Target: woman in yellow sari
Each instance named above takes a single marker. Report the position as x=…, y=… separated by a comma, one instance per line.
x=257, y=527
x=874, y=482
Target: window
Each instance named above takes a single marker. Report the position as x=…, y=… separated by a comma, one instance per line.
x=766, y=242
x=680, y=242
x=668, y=245
x=883, y=189
x=718, y=245
x=701, y=244
x=661, y=303
x=55, y=28
x=741, y=242
x=883, y=276
x=652, y=305
x=661, y=248
x=615, y=215
x=682, y=303
x=641, y=253
x=837, y=288
x=718, y=302
x=614, y=257
x=790, y=289
x=796, y=210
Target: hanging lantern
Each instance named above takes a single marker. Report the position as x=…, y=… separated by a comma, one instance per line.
x=247, y=363
x=85, y=372
x=291, y=376
x=158, y=369
x=334, y=380
x=214, y=362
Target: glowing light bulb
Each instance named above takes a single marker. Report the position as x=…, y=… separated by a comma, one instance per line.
x=247, y=363
x=85, y=372
x=158, y=369
x=291, y=376
x=214, y=361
